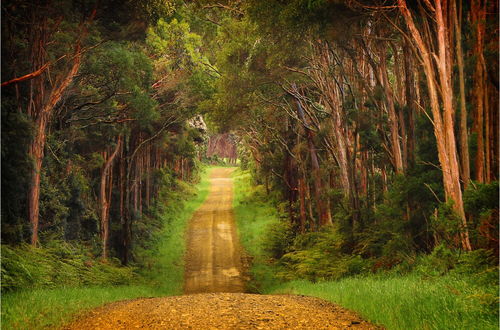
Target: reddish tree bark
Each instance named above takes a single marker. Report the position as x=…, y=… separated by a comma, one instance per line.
x=442, y=119
x=323, y=212
x=41, y=108
x=478, y=16
x=464, y=143
x=391, y=109
x=105, y=201
x=36, y=148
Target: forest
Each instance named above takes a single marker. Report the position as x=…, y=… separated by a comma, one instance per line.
x=366, y=129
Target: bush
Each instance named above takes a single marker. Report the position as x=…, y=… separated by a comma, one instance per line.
x=278, y=238
x=61, y=264
x=481, y=204
x=478, y=264
x=318, y=256
x=439, y=262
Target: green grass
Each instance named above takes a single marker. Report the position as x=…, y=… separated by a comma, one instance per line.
x=406, y=302
x=52, y=307
x=42, y=308
x=412, y=301
x=168, y=271
x=254, y=217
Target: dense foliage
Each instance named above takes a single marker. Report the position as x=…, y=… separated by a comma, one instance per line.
x=371, y=125
x=374, y=151
x=95, y=121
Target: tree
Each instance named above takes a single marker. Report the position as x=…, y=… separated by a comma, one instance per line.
x=437, y=68
x=45, y=93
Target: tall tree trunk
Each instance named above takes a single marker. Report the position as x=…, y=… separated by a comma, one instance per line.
x=316, y=172
x=410, y=103
x=122, y=182
x=148, y=175
x=464, y=144
x=36, y=151
x=393, y=117
x=302, y=204
x=442, y=120
x=104, y=201
x=126, y=218
x=41, y=108
x=478, y=16
x=36, y=148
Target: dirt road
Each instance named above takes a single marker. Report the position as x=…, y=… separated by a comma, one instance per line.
x=222, y=311
x=213, y=259
x=214, y=286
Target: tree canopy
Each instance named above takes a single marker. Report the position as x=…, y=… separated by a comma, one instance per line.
x=377, y=118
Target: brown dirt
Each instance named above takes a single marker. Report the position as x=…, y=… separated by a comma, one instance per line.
x=213, y=264
x=213, y=259
x=223, y=311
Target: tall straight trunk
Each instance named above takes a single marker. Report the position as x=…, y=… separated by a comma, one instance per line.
x=302, y=204
x=36, y=148
x=126, y=218
x=110, y=191
x=444, y=69
x=384, y=179
x=139, y=174
x=478, y=13
x=442, y=120
x=312, y=221
x=105, y=201
x=323, y=216
x=493, y=139
x=363, y=173
x=290, y=177
x=393, y=117
x=148, y=175
x=464, y=144
x=487, y=134
x=410, y=103
x=122, y=182
x=400, y=92
x=40, y=107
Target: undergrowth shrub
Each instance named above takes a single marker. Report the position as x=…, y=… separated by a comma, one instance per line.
x=444, y=260
x=278, y=238
x=481, y=203
x=439, y=262
x=318, y=256
x=57, y=265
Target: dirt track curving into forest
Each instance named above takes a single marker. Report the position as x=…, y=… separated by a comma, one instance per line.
x=214, y=286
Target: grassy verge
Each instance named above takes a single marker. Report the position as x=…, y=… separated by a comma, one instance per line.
x=47, y=308
x=404, y=302
x=51, y=307
x=411, y=301
x=168, y=272
x=254, y=217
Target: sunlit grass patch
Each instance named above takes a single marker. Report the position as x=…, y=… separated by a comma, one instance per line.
x=254, y=217
x=41, y=308
x=167, y=273
x=406, y=302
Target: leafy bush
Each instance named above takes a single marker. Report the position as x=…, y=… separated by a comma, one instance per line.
x=61, y=264
x=481, y=198
x=481, y=203
x=319, y=256
x=439, y=262
x=278, y=238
